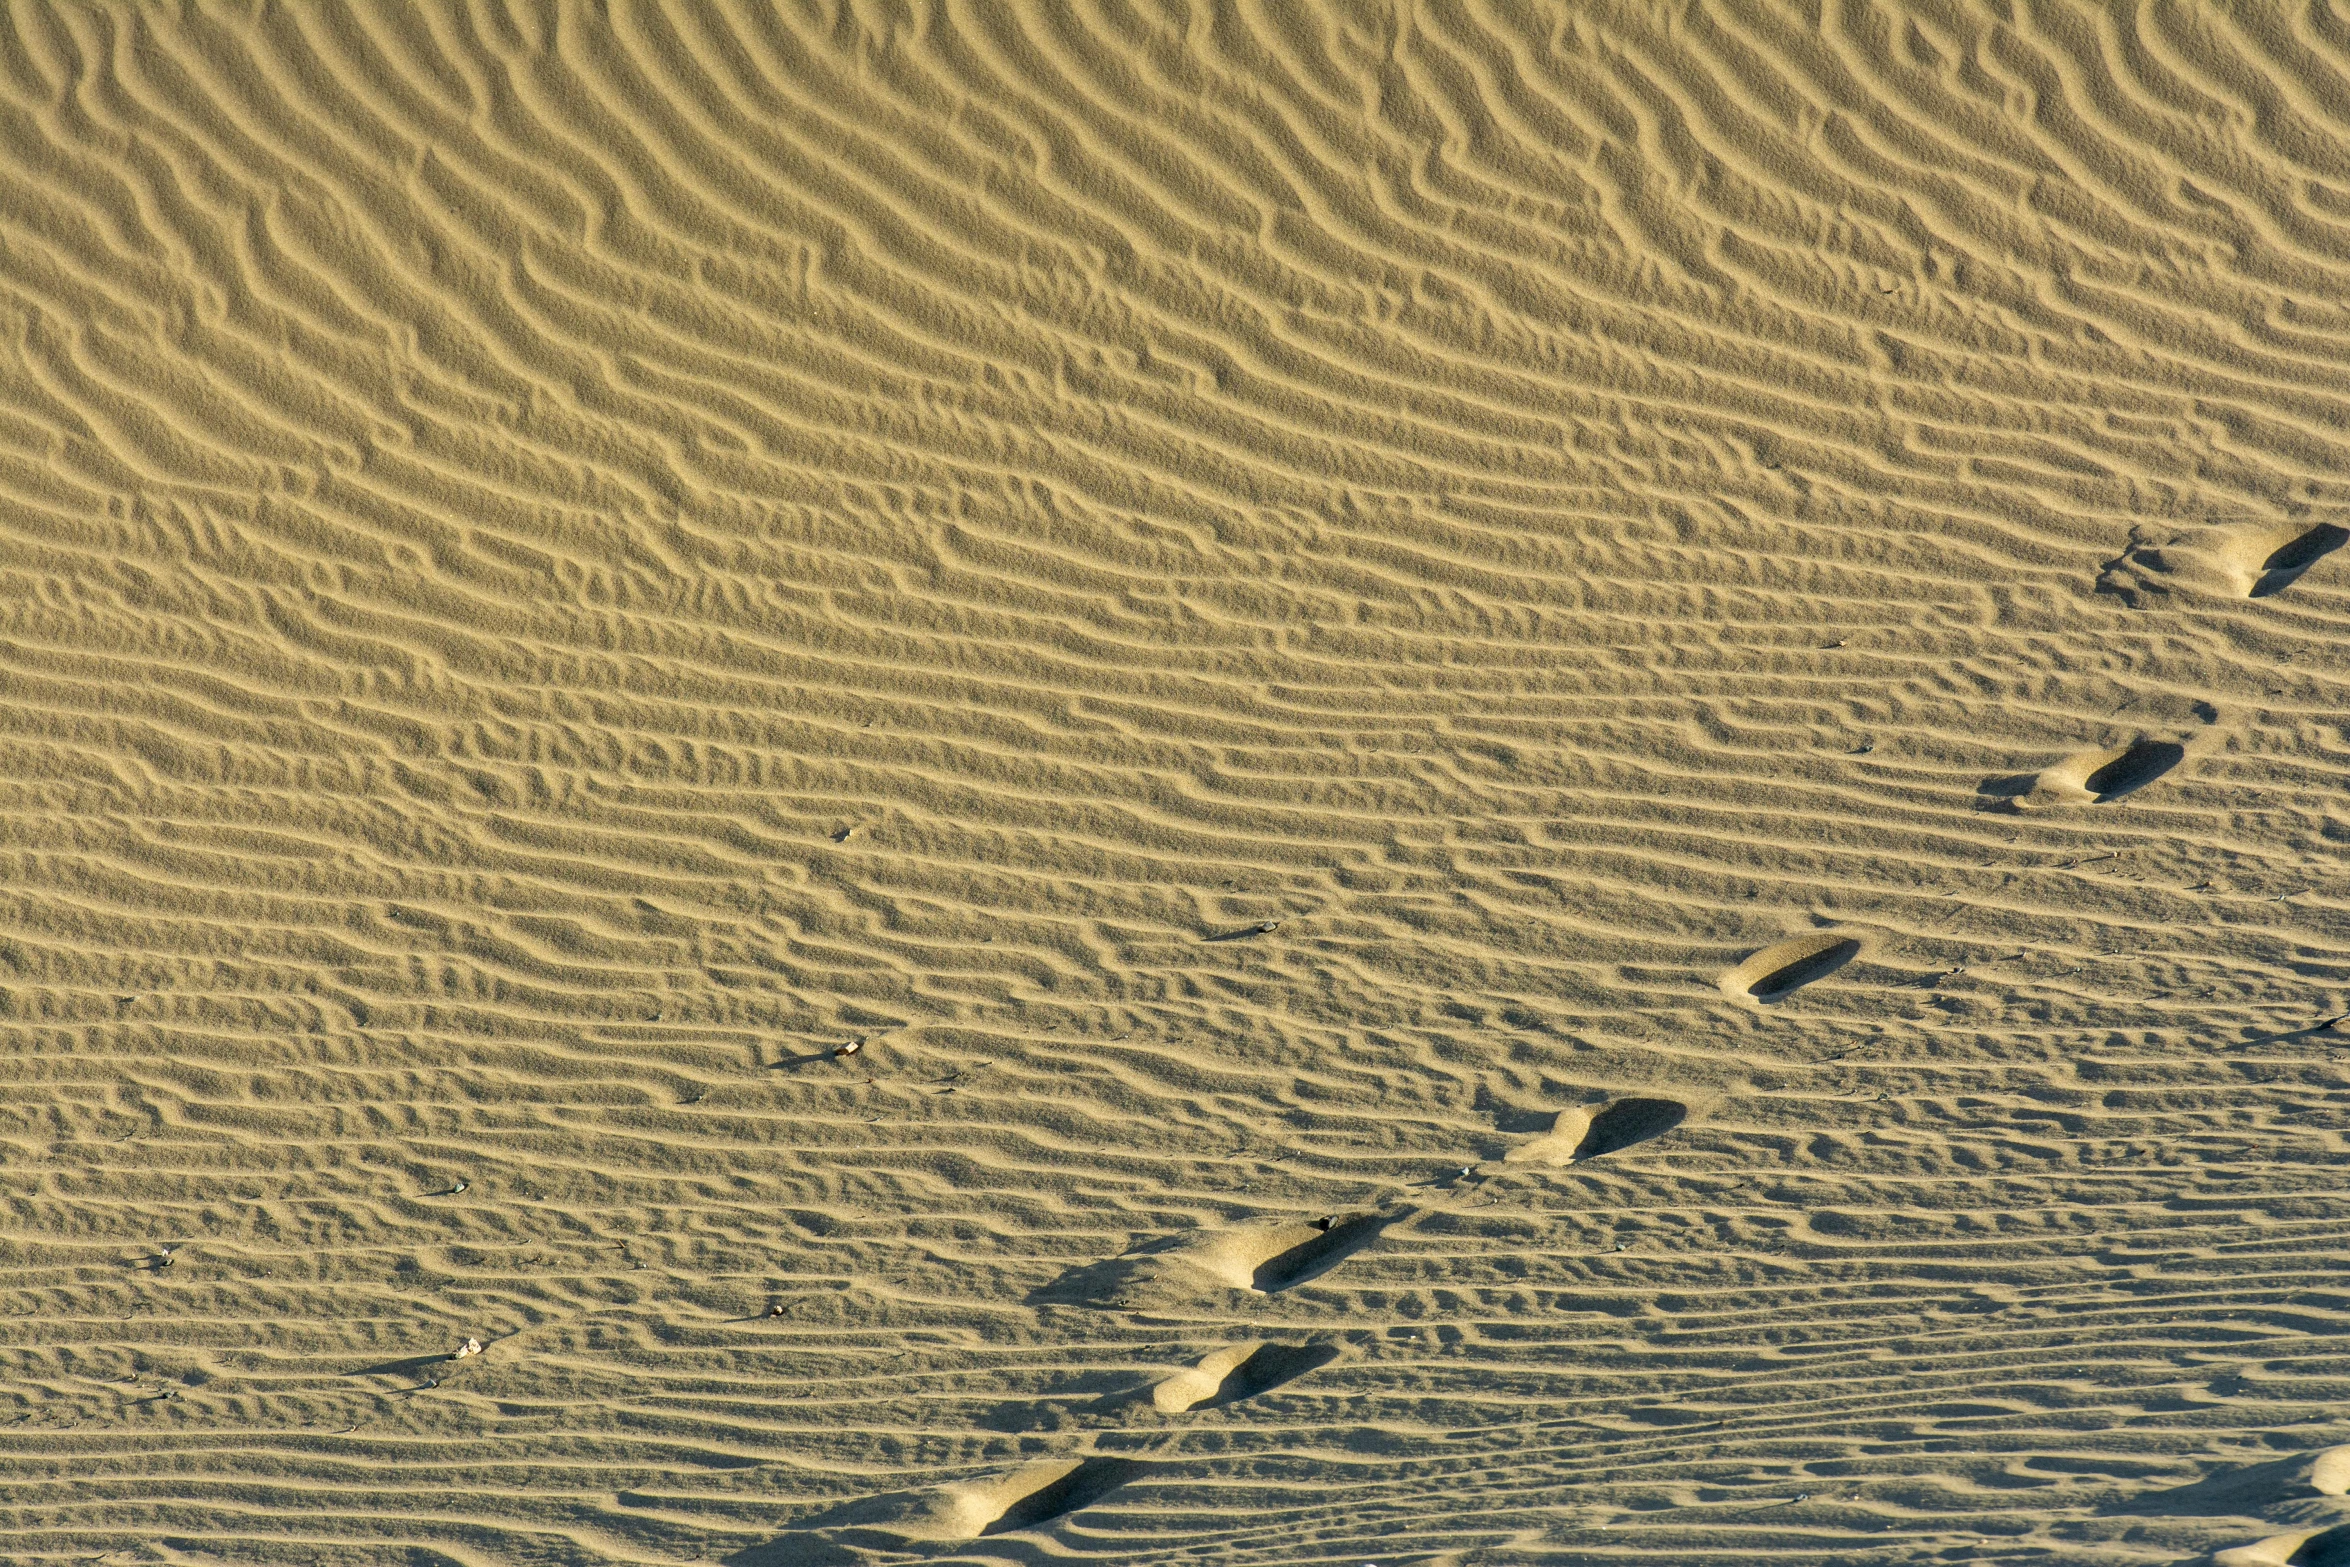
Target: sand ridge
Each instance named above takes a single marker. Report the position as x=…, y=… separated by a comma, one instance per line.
x=868, y=728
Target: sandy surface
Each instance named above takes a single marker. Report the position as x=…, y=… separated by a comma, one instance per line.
x=1576, y=785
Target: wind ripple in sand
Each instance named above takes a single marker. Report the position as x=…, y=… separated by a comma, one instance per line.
x=565, y=565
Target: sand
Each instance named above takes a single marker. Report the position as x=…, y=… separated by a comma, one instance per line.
x=1574, y=779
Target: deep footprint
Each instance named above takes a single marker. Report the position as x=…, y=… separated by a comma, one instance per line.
x=1597, y=1130
x=967, y=1510
x=1239, y=1372
x=1779, y=971
x=2284, y=566
x=1339, y=1239
x=1263, y=1258
x=2089, y=777
x=1630, y=1121
x=2251, y=561
x=2134, y=769
x=1080, y=1486
x=2304, y=1548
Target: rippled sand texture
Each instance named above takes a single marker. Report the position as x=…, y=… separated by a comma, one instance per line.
x=1578, y=775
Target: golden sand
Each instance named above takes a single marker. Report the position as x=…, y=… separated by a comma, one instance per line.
x=1242, y=783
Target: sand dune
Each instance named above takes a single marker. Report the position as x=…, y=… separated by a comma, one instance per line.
x=1469, y=784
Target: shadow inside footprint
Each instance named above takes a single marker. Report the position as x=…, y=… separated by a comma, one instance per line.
x=2330, y=1549
x=1630, y=1121
x=2134, y=769
x=1194, y=1265
x=1028, y=1497
x=1313, y=1258
x=1793, y=976
x=2285, y=566
x=1593, y=1130
x=1081, y=1487
x=1267, y=1369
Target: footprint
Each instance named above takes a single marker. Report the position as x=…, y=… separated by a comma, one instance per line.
x=2302, y=1548
x=1261, y=1258
x=1042, y=1492
x=1240, y=1371
x=1269, y=1258
x=2133, y=768
x=1593, y=1130
x=2271, y=561
x=2092, y=777
x=1035, y=1494
x=2239, y=561
x=1777, y=972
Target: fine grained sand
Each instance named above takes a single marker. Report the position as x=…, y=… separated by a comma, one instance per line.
x=1578, y=775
